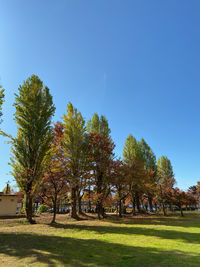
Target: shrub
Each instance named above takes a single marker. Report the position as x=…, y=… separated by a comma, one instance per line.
x=42, y=208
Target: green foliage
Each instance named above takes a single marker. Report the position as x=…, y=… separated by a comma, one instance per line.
x=30, y=148
x=165, y=167
x=148, y=156
x=132, y=150
x=1, y=99
x=98, y=125
x=74, y=140
x=42, y=208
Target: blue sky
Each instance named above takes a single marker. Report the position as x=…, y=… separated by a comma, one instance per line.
x=136, y=62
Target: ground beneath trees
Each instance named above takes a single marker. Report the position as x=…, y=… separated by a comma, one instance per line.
x=134, y=241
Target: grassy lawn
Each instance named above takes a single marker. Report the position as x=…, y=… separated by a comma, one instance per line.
x=139, y=241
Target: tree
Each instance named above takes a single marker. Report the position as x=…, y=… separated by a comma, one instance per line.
x=132, y=157
x=151, y=170
x=100, y=156
x=179, y=198
x=1, y=99
x=98, y=125
x=7, y=189
x=30, y=148
x=54, y=185
x=75, y=145
x=165, y=181
x=119, y=181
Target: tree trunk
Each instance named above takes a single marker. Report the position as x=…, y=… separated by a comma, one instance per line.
x=73, y=203
x=120, y=208
x=164, y=210
x=171, y=207
x=138, y=202
x=29, y=208
x=150, y=204
x=99, y=209
x=156, y=208
x=54, y=210
x=79, y=205
x=181, y=211
x=99, y=192
x=133, y=208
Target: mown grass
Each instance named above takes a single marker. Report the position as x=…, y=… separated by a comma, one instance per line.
x=138, y=241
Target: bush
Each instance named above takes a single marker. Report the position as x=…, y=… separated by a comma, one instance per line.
x=42, y=208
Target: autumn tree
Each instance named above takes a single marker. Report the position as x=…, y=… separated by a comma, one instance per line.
x=7, y=189
x=75, y=145
x=119, y=181
x=179, y=199
x=151, y=170
x=1, y=100
x=165, y=181
x=100, y=156
x=30, y=148
x=194, y=191
x=54, y=184
x=132, y=157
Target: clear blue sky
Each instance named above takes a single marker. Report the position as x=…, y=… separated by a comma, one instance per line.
x=136, y=62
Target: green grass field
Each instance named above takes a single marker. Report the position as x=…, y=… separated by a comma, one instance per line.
x=139, y=241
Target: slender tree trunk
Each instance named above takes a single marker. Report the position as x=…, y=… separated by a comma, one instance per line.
x=73, y=203
x=171, y=207
x=54, y=209
x=90, y=205
x=133, y=204
x=99, y=200
x=138, y=202
x=150, y=204
x=89, y=202
x=79, y=204
x=124, y=207
x=156, y=207
x=120, y=208
x=181, y=211
x=164, y=210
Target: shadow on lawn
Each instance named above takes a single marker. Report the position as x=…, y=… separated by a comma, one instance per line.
x=54, y=250
x=186, y=221
x=164, y=234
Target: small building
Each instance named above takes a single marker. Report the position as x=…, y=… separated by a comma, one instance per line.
x=9, y=204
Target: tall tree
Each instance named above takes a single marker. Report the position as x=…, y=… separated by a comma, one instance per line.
x=54, y=184
x=30, y=148
x=151, y=169
x=133, y=158
x=75, y=145
x=165, y=181
x=1, y=100
x=98, y=125
x=119, y=181
x=100, y=155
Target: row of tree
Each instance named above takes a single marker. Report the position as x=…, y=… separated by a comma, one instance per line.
x=75, y=160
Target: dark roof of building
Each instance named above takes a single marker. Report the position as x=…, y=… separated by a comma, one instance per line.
x=13, y=195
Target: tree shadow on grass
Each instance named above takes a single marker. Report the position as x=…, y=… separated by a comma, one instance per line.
x=186, y=221
x=161, y=233
x=53, y=250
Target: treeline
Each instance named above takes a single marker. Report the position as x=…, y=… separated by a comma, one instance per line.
x=74, y=161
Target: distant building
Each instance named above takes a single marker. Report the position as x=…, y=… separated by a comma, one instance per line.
x=9, y=204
